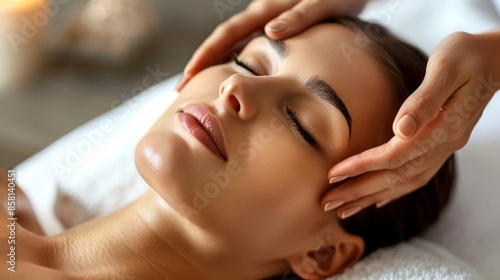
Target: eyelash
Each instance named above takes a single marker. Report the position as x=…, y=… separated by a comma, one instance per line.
x=304, y=134
x=294, y=120
x=245, y=66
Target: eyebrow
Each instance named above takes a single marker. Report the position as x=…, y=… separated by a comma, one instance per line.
x=280, y=47
x=326, y=92
x=315, y=84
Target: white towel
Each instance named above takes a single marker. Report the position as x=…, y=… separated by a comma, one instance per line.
x=414, y=260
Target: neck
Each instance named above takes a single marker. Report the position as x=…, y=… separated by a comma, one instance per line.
x=142, y=240
x=149, y=240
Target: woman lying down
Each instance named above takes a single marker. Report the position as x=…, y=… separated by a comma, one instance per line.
x=237, y=166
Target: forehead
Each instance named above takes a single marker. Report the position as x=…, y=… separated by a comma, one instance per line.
x=340, y=56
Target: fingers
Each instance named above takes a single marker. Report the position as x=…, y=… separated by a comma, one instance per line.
x=230, y=32
x=379, y=187
x=369, y=160
x=439, y=118
x=401, y=165
x=301, y=16
x=296, y=16
x=442, y=79
x=390, y=155
x=307, y=13
x=449, y=128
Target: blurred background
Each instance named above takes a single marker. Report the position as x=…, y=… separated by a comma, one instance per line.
x=64, y=62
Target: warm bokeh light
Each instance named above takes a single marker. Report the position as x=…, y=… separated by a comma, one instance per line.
x=22, y=25
x=6, y=5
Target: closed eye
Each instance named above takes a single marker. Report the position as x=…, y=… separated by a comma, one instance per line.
x=294, y=120
x=297, y=126
x=245, y=66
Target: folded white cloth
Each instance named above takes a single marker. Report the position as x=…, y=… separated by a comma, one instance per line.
x=417, y=259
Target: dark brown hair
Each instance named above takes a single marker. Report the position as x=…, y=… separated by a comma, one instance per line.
x=408, y=216
x=404, y=66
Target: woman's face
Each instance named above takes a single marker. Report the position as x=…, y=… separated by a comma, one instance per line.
x=256, y=189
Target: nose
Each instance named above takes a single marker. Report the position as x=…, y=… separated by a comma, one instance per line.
x=240, y=94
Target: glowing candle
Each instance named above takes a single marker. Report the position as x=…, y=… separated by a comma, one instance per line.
x=22, y=28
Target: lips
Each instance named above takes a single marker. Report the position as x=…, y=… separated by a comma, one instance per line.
x=205, y=127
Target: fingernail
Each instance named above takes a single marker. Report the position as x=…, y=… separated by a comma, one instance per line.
x=277, y=26
x=382, y=203
x=336, y=179
x=333, y=204
x=351, y=211
x=407, y=125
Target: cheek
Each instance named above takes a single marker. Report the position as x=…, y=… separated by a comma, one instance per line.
x=276, y=213
x=274, y=200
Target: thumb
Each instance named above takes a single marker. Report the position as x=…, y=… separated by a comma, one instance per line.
x=421, y=106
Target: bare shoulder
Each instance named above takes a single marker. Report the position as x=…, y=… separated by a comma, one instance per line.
x=29, y=271
x=16, y=210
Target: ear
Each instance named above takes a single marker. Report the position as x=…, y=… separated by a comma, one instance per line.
x=328, y=258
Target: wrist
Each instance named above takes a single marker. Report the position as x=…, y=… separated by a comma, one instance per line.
x=489, y=43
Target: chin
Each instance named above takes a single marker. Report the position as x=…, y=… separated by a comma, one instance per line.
x=171, y=170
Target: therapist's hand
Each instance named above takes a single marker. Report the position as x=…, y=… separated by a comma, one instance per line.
x=437, y=119
x=281, y=19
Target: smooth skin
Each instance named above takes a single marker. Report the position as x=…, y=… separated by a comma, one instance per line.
x=462, y=75
x=253, y=225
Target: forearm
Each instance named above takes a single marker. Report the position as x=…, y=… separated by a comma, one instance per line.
x=490, y=47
